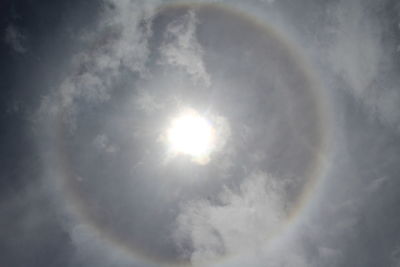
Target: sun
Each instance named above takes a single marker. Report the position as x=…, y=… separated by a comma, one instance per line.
x=191, y=134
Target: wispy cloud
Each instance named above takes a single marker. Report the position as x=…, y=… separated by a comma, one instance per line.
x=103, y=143
x=119, y=42
x=15, y=39
x=363, y=55
x=181, y=48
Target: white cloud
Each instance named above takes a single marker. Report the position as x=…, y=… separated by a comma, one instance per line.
x=120, y=41
x=242, y=221
x=182, y=49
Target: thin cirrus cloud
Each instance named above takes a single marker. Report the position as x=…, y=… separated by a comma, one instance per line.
x=182, y=49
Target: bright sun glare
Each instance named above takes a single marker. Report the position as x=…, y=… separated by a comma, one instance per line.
x=191, y=134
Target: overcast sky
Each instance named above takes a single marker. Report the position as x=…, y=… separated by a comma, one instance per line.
x=303, y=97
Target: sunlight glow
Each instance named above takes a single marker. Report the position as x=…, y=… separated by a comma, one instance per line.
x=191, y=134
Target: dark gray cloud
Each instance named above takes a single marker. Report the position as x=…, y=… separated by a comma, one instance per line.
x=15, y=39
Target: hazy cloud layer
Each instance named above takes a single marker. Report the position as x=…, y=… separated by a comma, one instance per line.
x=352, y=218
x=363, y=56
x=354, y=54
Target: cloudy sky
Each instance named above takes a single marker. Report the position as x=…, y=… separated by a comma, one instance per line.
x=301, y=100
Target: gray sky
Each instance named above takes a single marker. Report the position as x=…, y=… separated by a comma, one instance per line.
x=304, y=100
